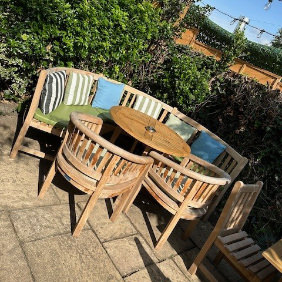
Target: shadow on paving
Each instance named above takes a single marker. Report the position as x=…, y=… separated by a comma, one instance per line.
x=153, y=270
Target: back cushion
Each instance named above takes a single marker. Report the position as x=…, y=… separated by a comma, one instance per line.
x=108, y=94
x=78, y=89
x=148, y=106
x=207, y=148
x=53, y=91
x=180, y=127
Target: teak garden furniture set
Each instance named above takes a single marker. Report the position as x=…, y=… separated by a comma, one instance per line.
x=188, y=173
x=56, y=121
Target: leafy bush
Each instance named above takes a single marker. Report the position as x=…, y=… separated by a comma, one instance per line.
x=247, y=115
x=183, y=80
x=112, y=37
x=10, y=77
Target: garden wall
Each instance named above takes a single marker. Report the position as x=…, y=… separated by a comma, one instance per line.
x=240, y=66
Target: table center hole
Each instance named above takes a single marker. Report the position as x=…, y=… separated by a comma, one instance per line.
x=150, y=129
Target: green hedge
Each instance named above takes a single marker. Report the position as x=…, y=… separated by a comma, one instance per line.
x=265, y=57
x=113, y=37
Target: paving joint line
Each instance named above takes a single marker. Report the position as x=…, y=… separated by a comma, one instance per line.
x=91, y=229
x=22, y=248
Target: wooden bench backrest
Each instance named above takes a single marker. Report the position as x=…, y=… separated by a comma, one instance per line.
x=91, y=154
x=129, y=94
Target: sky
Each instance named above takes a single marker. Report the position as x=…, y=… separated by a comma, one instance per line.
x=269, y=20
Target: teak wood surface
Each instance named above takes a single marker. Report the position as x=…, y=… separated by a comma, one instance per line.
x=274, y=255
x=164, y=139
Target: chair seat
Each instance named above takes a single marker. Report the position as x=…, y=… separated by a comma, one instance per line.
x=61, y=115
x=241, y=250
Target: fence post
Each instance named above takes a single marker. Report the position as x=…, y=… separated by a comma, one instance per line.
x=182, y=15
x=242, y=68
x=275, y=83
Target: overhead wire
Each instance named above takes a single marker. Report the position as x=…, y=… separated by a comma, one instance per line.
x=261, y=30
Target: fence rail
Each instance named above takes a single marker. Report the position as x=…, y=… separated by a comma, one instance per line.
x=262, y=76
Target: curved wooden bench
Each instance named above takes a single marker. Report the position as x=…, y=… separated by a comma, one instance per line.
x=128, y=99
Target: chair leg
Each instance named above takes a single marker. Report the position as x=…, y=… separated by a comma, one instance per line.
x=201, y=255
x=85, y=213
x=48, y=180
x=218, y=258
x=19, y=140
x=131, y=197
x=190, y=228
x=163, y=238
x=119, y=205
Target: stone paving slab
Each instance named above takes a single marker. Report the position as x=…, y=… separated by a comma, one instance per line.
x=41, y=222
x=164, y=271
x=149, y=226
x=130, y=254
x=13, y=265
x=200, y=234
x=64, y=258
x=19, y=189
x=185, y=260
x=105, y=229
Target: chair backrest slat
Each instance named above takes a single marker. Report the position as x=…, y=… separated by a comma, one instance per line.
x=238, y=207
x=92, y=154
x=190, y=179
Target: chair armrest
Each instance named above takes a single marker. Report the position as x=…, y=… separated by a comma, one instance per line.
x=222, y=179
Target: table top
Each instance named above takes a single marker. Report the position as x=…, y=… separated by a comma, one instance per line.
x=163, y=139
x=274, y=255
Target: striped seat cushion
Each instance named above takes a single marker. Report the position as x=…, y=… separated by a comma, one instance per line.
x=78, y=89
x=53, y=91
x=148, y=106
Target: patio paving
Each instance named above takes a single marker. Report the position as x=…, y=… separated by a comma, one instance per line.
x=35, y=235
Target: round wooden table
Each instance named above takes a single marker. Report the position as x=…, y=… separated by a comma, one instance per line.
x=150, y=131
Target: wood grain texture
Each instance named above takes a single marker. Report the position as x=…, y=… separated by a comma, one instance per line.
x=274, y=255
x=164, y=139
x=234, y=244
x=188, y=197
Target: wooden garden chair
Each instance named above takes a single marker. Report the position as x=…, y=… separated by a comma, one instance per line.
x=97, y=167
x=234, y=244
x=184, y=190
x=229, y=160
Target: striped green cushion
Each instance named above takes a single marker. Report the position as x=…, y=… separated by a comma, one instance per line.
x=78, y=89
x=148, y=106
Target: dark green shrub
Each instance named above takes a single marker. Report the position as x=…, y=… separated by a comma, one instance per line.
x=247, y=115
x=183, y=80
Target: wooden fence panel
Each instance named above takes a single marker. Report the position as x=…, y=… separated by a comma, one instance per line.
x=240, y=66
